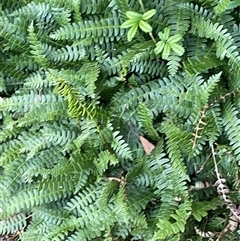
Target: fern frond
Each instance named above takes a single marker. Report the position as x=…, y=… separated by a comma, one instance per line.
x=105, y=158
x=84, y=198
x=14, y=37
x=98, y=31
x=42, y=193
x=221, y=7
x=198, y=64
x=173, y=64
x=173, y=13
x=120, y=146
x=200, y=209
x=93, y=6
x=37, y=80
x=146, y=120
x=82, y=84
x=68, y=53
x=232, y=127
x=13, y=224
x=224, y=41
x=178, y=144
x=42, y=113
x=123, y=7
x=168, y=228
x=37, y=50
x=214, y=124
x=76, y=106
x=86, y=231
x=152, y=67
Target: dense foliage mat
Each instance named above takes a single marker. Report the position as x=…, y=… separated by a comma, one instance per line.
x=120, y=119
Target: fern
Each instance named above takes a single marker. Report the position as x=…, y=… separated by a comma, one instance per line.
x=14, y=223
x=37, y=50
x=145, y=118
x=71, y=86
x=200, y=208
x=221, y=7
x=109, y=28
x=231, y=125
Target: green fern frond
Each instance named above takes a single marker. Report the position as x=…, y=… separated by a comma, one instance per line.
x=214, y=124
x=231, y=127
x=98, y=31
x=76, y=106
x=86, y=231
x=121, y=206
x=135, y=53
x=105, y=158
x=84, y=198
x=173, y=64
x=199, y=64
x=36, y=48
x=14, y=37
x=42, y=113
x=151, y=67
x=168, y=228
x=83, y=84
x=200, y=209
x=173, y=13
x=24, y=103
x=224, y=41
x=201, y=10
x=44, y=192
x=208, y=86
x=68, y=53
x=120, y=147
x=62, y=15
x=123, y=7
x=146, y=121
x=221, y=7
x=177, y=137
x=93, y=6
x=13, y=224
x=37, y=80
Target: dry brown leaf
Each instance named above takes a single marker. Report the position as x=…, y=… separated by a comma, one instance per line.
x=147, y=146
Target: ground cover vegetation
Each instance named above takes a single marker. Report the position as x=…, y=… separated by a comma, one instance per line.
x=119, y=120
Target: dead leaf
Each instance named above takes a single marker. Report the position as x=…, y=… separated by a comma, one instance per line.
x=147, y=146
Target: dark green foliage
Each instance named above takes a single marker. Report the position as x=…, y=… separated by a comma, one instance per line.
x=80, y=105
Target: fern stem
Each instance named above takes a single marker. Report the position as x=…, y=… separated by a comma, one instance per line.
x=220, y=182
x=153, y=39
x=142, y=6
x=215, y=162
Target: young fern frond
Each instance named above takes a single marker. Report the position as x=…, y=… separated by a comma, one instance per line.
x=221, y=7
x=37, y=49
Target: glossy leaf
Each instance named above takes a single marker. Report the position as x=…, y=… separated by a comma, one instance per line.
x=132, y=32
x=134, y=15
x=144, y=26
x=165, y=34
x=159, y=47
x=166, y=51
x=175, y=38
x=129, y=23
x=147, y=15
x=178, y=49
